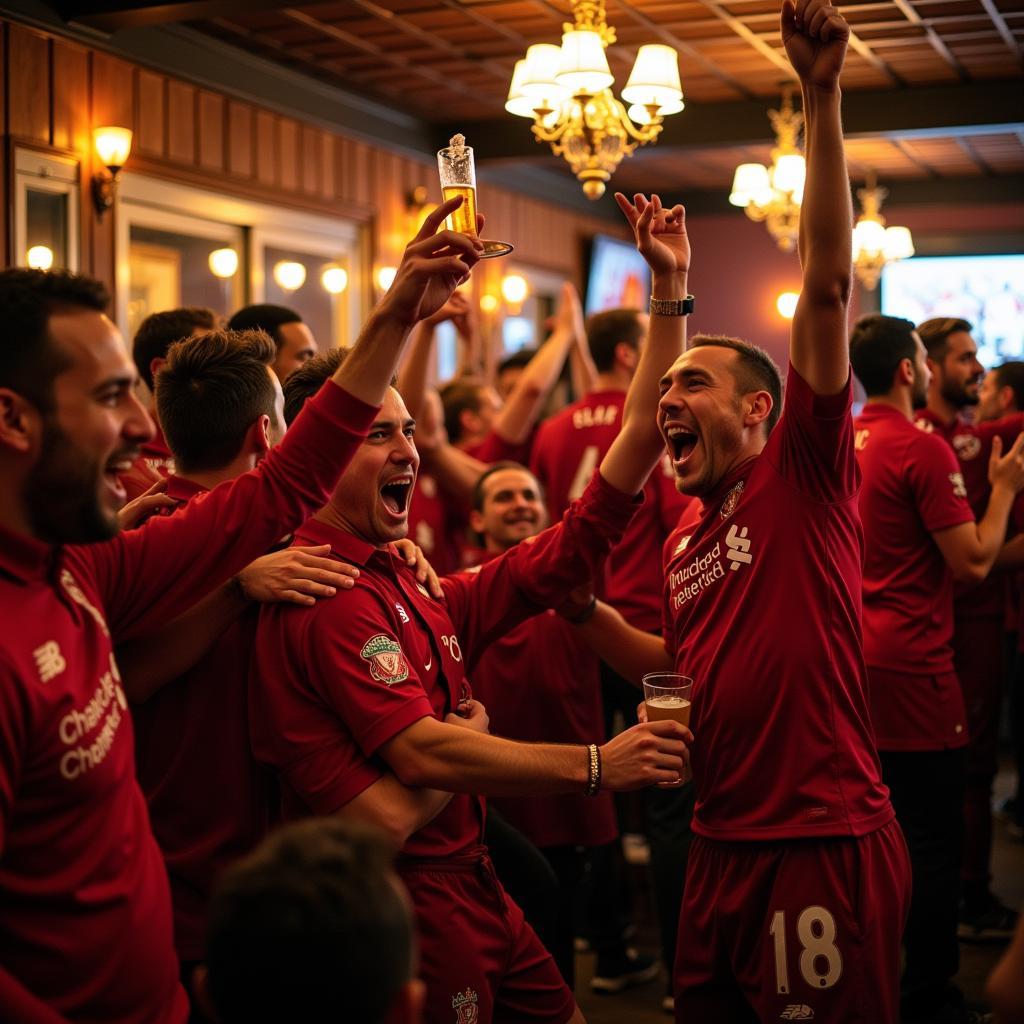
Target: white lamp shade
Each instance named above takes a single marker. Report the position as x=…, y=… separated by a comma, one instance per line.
x=514, y=289
x=223, y=262
x=638, y=113
x=517, y=102
x=790, y=174
x=39, y=257
x=654, y=80
x=538, y=82
x=289, y=275
x=584, y=68
x=386, y=277
x=868, y=238
x=334, y=279
x=112, y=144
x=898, y=243
x=750, y=180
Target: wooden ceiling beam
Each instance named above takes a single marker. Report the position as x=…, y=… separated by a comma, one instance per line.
x=1000, y=23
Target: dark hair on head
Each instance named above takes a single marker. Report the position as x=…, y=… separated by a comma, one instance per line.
x=935, y=334
x=311, y=927
x=307, y=380
x=29, y=358
x=1011, y=375
x=459, y=396
x=877, y=347
x=755, y=371
x=264, y=317
x=497, y=467
x=159, y=331
x=516, y=361
x=605, y=331
x=210, y=391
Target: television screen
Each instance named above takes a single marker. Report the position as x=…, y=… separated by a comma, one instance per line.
x=619, y=276
x=988, y=291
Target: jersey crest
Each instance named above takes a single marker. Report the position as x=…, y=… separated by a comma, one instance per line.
x=465, y=1005
x=967, y=447
x=387, y=662
x=732, y=499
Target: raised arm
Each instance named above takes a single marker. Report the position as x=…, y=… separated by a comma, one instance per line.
x=662, y=240
x=815, y=35
x=413, y=377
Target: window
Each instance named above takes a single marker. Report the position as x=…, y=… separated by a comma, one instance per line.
x=45, y=211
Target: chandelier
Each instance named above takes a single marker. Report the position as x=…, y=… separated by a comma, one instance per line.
x=875, y=245
x=773, y=194
x=567, y=91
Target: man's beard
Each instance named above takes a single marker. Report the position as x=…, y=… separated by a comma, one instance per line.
x=957, y=395
x=62, y=493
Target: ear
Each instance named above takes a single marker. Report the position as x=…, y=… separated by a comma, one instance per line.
x=1007, y=400
x=626, y=355
x=262, y=435
x=476, y=521
x=469, y=421
x=20, y=423
x=757, y=406
x=201, y=992
x=155, y=365
x=904, y=372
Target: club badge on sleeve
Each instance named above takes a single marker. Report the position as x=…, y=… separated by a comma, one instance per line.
x=387, y=662
x=466, y=1007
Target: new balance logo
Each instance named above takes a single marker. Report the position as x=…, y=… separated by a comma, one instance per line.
x=49, y=661
x=739, y=547
x=797, y=1011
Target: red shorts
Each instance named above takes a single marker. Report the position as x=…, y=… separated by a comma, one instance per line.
x=476, y=950
x=801, y=929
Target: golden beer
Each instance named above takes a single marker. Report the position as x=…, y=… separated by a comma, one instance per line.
x=668, y=708
x=464, y=218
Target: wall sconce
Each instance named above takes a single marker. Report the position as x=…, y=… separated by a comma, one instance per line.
x=39, y=257
x=112, y=145
x=386, y=277
x=489, y=304
x=289, y=275
x=514, y=289
x=786, y=304
x=223, y=263
x=334, y=279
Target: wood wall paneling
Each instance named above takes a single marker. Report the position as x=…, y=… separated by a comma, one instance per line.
x=181, y=122
x=266, y=148
x=71, y=128
x=310, y=171
x=28, y=68
x=113, y=92
x=241, y=132
x=325, y=143
x=288, y=153
x=211, y=131
x=5, y=242
x=151, y=135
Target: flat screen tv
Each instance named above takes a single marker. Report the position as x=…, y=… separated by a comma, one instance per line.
x=988, y=291
x=618, y=276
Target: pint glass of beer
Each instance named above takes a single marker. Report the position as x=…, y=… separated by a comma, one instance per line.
x=667, y=696
x=458, y=178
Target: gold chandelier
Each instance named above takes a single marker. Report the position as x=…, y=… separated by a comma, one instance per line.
x=567, y=91
x=773, y=194
x=874, y=244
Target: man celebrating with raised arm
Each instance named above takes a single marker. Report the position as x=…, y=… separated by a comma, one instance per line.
x=798, y=881
x=379, y=681
x=85, y=915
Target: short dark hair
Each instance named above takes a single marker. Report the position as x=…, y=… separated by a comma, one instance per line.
x=29, y=359
x=210, y=391
x=756, y=370
x=1011, y=375
x=517, y=361
x=264, y=317
x=607, y=330
x=877, y=347
x=307, y=380
x=310, y=926
x=935, y=334
x=159, y=331
x=459, y=396
x=497, y=467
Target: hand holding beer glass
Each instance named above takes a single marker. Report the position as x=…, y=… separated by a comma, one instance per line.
x=667, y=696
x=458, y=178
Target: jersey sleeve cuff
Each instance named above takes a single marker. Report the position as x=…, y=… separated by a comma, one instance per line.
x=389, y=726
x=822, y=407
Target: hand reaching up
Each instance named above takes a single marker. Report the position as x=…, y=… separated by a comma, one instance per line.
x=815, y=35
x=660, y=233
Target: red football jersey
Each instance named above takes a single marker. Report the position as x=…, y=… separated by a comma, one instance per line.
x=85, y=913
x=494, y=448
x=155, y=461
x=764, y=601
x=433, y=525
x=569, y=446
x=541, y=683
x=334, y=682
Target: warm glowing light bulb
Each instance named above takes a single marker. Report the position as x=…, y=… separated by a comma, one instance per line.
x=113, y=145
x=489, y=303
x=386, y=277
x=514, y=289
x=334, y=279
x=39, y=257
x=786, y=304
x=223, y=263
x=289, y=275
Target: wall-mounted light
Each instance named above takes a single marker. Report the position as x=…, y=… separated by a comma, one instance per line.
x=386, y=277
x=334, y=279
x=489, y=303
x=39, y=257
x=786, y=304
x=289, y=275
x=514, y=289
x=112, y=145
x=223, y=263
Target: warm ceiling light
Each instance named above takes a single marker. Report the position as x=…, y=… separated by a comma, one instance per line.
x=112, y=145
x=567, y=92
x=386, y=277
x=514, y=289
x=875, y=245
x=39, y=257
x=786, y=304
x=289, y=275
x=489, y=303
x=223, y=263
x=774, y=194
x=334, y=279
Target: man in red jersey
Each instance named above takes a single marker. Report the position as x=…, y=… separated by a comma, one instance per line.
x=82, y=883
x=381, y=675
x=920, y=533
x=978, y=612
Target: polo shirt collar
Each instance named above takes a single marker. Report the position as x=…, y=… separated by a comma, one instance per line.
x=882, y=410
x=345, y=545
x=181, y=489
x=24, y=558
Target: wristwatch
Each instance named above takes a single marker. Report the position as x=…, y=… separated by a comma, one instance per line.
x=673, y=307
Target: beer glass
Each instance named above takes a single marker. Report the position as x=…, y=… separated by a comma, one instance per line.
x=458, y=178
x=667, y=696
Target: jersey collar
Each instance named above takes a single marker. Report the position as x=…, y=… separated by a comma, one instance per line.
x=182, y=490
x=24, y=558
x=345, y=545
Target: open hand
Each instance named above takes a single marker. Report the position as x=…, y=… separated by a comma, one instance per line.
x=1007, y=469
x=660, y=233
x=135, y=512
x=297, y=575
x=815, y=35
x=412, y=554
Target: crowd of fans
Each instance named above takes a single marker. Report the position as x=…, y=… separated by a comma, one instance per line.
x=276, y=630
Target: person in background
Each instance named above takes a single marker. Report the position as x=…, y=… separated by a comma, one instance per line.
x=293, y=338
x=313, y=926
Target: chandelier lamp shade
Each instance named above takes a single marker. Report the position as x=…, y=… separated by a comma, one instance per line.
x=566, y=91
x=874, y=244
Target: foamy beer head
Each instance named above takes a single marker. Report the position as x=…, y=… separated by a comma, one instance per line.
x=667, y=696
